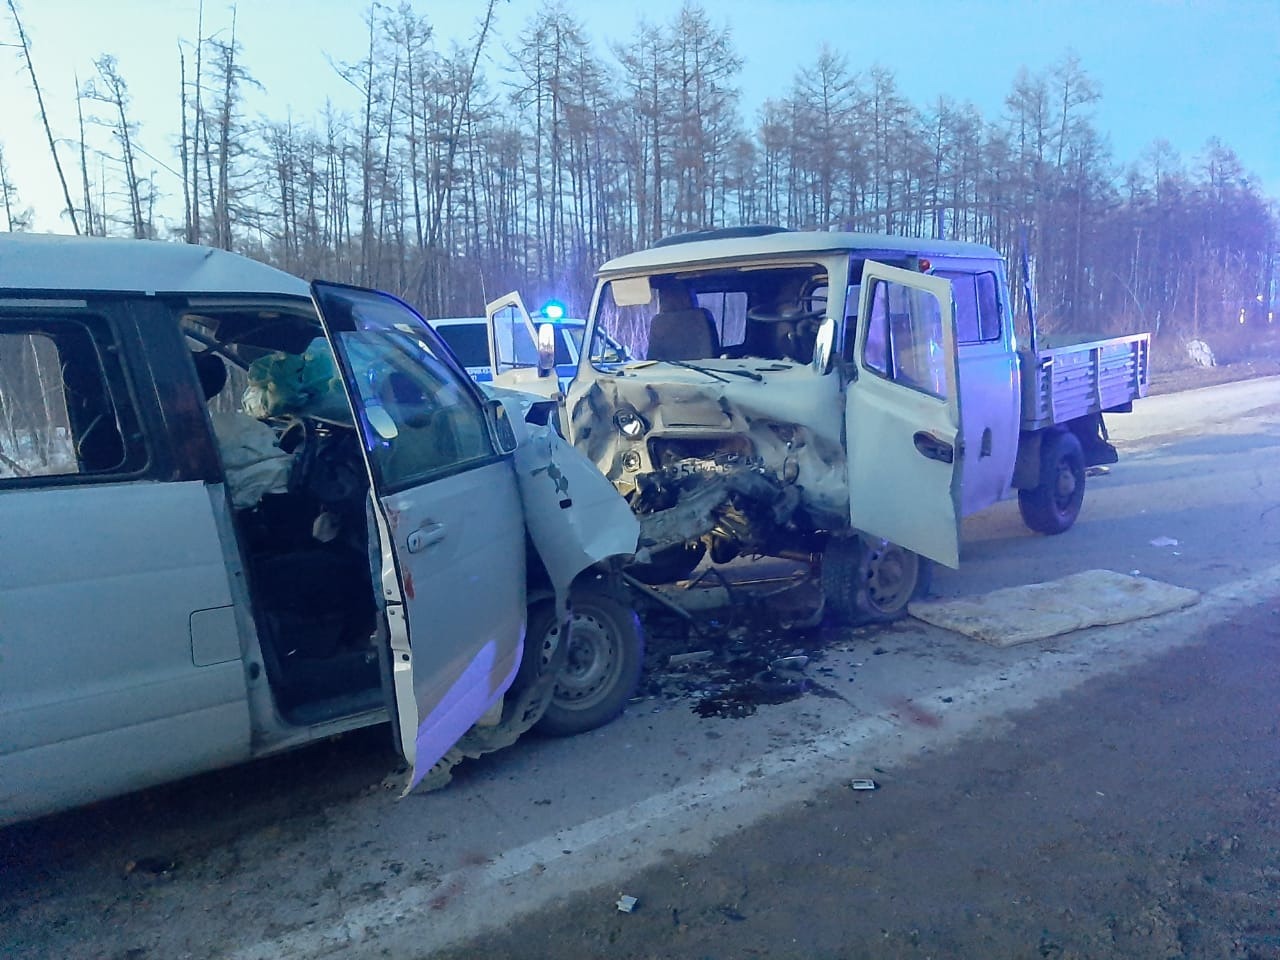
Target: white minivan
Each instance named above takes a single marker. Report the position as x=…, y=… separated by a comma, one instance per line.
x=240, y=512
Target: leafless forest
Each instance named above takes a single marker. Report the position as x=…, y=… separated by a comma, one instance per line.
x=483, y=166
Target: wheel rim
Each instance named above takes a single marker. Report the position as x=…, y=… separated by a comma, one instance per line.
x=592, y=662
x=892, y=575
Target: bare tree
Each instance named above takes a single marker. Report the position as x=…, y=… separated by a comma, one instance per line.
x=25, y=44
x=15, y=219
x=109, y=88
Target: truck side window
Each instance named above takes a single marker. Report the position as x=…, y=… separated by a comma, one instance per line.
x=977, y=307
x=988, y=306
x=965, y=292
x=64, y=407
x=904, y=338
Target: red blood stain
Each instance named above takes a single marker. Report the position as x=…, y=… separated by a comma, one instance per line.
x=408, y=585
x=908, y=711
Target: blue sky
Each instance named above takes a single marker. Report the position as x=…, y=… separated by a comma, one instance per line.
x=1176, y=69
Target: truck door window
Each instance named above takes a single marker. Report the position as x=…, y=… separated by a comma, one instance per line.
x=515, y=346
x=904, y=338
x=64, y=408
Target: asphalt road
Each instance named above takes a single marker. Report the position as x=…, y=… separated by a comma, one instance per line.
x=1136, y=817
x=312, y=854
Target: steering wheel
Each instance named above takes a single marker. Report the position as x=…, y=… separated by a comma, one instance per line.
x=299, y=439
x=796, y=316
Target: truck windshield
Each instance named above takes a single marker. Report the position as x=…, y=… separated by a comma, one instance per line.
x=768, y=313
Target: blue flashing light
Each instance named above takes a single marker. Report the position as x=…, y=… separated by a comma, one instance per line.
x=553, y=310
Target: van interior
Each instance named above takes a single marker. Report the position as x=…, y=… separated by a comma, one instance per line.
x=298, y=486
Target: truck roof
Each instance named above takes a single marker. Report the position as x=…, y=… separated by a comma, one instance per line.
x=47, y=262
x=674, y=255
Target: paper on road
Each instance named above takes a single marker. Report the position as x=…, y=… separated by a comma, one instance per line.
x=1036, y=611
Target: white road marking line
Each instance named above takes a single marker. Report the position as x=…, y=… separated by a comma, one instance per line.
x=689, y=819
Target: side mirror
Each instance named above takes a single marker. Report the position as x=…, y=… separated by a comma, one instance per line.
x=546, y=349
x=822, y=348
x=504, y=434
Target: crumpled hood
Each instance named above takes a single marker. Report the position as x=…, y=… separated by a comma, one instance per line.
x=790, y=412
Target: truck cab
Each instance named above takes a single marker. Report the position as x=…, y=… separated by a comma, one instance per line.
x=840, y=395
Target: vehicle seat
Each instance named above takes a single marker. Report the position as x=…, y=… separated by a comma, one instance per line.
x=688, y=334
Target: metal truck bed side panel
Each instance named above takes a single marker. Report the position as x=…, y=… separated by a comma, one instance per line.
x=1063, y=383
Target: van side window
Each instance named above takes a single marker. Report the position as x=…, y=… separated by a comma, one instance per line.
x=65, y=410
x=904, y=338
x=420, y=417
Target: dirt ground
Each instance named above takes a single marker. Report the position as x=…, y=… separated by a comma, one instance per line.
x=1190, y=378
x=1137, y=817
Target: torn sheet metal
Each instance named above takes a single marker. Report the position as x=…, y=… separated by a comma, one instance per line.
x=788, y=423
x=575, y=516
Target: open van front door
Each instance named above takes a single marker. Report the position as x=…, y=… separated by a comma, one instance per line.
x=513, y=348
x=902, y=414
x=450, y=550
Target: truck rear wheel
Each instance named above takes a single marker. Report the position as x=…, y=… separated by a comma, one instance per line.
x=1053, y=505
x=602, y=664
x=870, y=580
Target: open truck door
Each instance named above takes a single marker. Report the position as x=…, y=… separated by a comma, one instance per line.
x=902, y=414
x=519, y=360
x=446, y=510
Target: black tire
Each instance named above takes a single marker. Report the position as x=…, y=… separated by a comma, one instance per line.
x=868, y=580
x=1052, y=505
x=603, y=663
x=670, y=564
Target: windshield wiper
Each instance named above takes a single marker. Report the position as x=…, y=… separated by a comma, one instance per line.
x=749, y=374
x=697, y=369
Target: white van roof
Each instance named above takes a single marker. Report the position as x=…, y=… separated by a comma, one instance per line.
x=48, y=262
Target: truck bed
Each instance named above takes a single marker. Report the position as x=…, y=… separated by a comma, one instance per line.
x=1063, y=383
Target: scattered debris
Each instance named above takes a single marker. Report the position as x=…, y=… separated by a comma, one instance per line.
x=1097, y=471
x=863, y=784
x=1164, y=542
x=626, y=904
x=696, y=656
x=156, y=866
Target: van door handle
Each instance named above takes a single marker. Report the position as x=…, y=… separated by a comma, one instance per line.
x=427, y=535
x=933, y=448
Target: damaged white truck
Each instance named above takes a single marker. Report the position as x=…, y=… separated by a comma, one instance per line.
x=239, y=513
x=835, y=397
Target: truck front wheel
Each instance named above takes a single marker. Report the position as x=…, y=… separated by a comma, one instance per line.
x=601, y=666
x=870, y=580
x=1053, y=505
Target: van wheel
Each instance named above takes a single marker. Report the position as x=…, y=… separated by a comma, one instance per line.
x=602, y=663
x=871, y=580
x=1053, y=505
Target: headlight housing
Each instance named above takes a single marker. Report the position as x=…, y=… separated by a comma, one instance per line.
x=630, y=424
